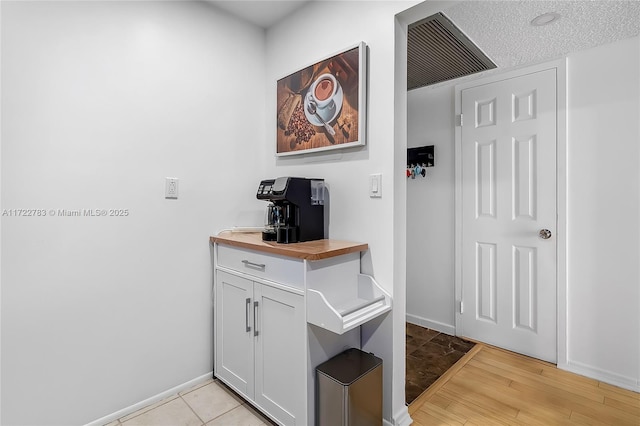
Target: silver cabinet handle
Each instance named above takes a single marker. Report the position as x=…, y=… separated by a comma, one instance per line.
x=545, y=234
x=246, y=310
x=255, y=318
x=249, y=264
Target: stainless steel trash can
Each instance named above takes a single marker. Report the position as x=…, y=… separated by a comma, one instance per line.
x=349, y=390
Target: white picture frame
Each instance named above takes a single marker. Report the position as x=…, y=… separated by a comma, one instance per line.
x=332, y=90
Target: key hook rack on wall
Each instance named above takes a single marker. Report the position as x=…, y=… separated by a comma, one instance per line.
x=418, y=159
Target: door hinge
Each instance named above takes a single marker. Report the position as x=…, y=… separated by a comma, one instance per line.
x=460, y=120
x=461, y=307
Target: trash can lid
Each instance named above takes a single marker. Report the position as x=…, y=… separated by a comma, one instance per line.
x=349, y=366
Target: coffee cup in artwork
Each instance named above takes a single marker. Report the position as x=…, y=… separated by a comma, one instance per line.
x=323, y=90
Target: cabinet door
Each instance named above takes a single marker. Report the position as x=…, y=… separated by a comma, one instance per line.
x=280, y=354
x=234, y=360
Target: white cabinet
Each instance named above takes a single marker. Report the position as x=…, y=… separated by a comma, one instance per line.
x=283, y=309
x=280, y=354
x=234, y=341
x=260, y=348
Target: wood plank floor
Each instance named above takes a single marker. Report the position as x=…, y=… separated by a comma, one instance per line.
x=491, y=386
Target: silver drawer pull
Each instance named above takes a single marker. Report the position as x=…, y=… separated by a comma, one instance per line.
x=246, y=311
x=255, y=318
x=249, y=264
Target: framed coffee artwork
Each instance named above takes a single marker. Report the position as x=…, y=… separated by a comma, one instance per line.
x=323, y=106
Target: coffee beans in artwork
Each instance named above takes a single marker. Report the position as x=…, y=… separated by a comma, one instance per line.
x=299, y=126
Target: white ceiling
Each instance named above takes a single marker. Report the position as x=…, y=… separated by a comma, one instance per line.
x=501, y=28
x=503, y=31
x=263, y=13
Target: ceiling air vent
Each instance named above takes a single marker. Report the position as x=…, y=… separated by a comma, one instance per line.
x=438, y=51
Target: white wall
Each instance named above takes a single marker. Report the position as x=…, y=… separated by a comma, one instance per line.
x=603, y=219
x=430, y=207
x=354, y=216
x=603, y=222
x=101, y=101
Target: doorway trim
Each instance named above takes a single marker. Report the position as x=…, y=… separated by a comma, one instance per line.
x=560, y=67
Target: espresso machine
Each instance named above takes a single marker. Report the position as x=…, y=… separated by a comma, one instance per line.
x=296, y=209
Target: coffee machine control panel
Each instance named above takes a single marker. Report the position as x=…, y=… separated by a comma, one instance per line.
x=272, y=189
x=265, y=189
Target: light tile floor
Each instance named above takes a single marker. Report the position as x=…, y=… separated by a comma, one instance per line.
x=209, y=403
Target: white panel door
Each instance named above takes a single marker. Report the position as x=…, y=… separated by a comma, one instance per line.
x=280, y=354
x=508, y=174
x=234, y=340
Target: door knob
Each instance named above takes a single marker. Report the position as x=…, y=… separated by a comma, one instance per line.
x=545, y=234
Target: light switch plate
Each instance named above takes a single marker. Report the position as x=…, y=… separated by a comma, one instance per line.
x=375, y=185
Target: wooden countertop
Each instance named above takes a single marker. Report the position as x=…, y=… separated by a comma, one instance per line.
x=309, y=250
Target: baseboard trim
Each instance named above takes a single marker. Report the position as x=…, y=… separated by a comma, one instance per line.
x=159, y=397
x=433, y=325
x=401, y=418
x=604, y=376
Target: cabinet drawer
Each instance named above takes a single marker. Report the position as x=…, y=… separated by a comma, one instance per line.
x=279, y=269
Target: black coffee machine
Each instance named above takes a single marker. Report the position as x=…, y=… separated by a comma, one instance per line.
x=296, y=209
